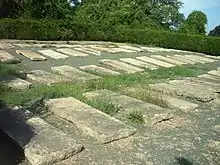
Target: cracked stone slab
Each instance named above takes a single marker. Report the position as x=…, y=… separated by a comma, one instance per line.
x=15, y=82
x=139, y=63
x=190, y=59
x=53, y=54
x=31, y=55
x=121, y=66
x=169, y=60
x=155, y=62
x=89, y=51
x=45, y=77
x=131, y=48
x=43, y=144
x=72, y=52
x=7, y=58
x=6, y=46
x=74, y=73
x=90, y=120
x=100, y=70
x=152, y=113
x=180, y=58
x=185, y=91
x=215, y=73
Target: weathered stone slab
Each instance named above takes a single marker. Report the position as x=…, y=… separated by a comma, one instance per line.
x=7, y=58
x=215, y=73
x=31, y=55
x=155, y=62
x=89, y=51
x=43, y=144
x=185, y=91
x=99, y=69
x=152, y=113
x=103, y=49
x=72, y=52
x=210, y=77
x=161, y=49
x=131, y=48
x=180, y=58
x=203, y=58
x=200, y=60
x=213, y=57
x=66, y=46
x=45, y=77
x=6, y=46
x=74, y=73
x=15, y=82
x=169, y=60
x=116, y=50
x=189, y=58
x=139, y=63
x=121, y=66
x=53, y=54
x=90, y=120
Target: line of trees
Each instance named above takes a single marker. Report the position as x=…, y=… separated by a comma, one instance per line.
x=156, y=14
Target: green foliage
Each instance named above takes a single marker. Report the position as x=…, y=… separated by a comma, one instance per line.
x=136, y=117
x=195, y=23
x=215, y=32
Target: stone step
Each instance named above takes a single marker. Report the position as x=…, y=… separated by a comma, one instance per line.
x=152, y=113
x=209, y=77
x=43, y=144
x=15, y=82
x=45, y=77
x=7, y=58
x=199, y=59
x=31, y=55
x=6, y=46
x=90, y=120
x=131, y=48
x=139, y=63
x=215, y=73
x=53, y=54
x=121, y=66
x=89, y=51
x=185, y=91
x=190, y=59
x=74, y=73
x=72, y=52
x=99, y=70
x=180, y=58
x=169, y=60
x=155, y=62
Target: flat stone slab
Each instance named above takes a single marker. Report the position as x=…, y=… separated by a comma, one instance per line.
x=7, y=58
x=15, y=82
x=139, y=63
x=121, y=66
x=31, y=55
x=155, y=62
x=190, y=59
x=43, y=144
x=169, y=60
x=196, y=58
x=203, y=58
x=98, y=69
x=53, y=54
x=6, y=46
x=72, y=52
x=131, y=48
x=210, y=77
x=74, y=73
x=180, y=58
x=90, y=120
x=185, y=91
x=89, y=51
x=45, y=77
x=161, y=49
x=152, y=113
x=213, y=57
x=102, y=49
x=215, y=73
x=116, y=50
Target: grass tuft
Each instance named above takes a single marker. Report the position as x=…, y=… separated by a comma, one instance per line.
x=136, y=117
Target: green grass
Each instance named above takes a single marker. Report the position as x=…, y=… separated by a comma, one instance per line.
x=136, y=117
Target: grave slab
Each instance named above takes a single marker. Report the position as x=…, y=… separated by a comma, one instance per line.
x=88, y=51
x=215, y=73
x=90, y=120
x=190, y=59
x=7, y=58
x=6, y=46
x=31, y=55
x=131, y=48
x=180, y=58
x=169, y=60
x=72, y=52
x=53, y=54
x=99, y=70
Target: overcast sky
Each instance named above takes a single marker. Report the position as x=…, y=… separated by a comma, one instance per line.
x=210, y=7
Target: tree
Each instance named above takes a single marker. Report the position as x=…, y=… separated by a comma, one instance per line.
x=195, y=23
x=215, y=32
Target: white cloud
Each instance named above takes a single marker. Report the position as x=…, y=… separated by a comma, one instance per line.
x=190, y=5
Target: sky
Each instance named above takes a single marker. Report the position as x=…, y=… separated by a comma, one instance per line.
x=210, y=7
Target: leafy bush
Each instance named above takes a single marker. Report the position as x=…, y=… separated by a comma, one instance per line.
x=66, y=30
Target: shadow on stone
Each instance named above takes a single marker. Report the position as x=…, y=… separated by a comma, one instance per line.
x=183, y=161
x=14, y=135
